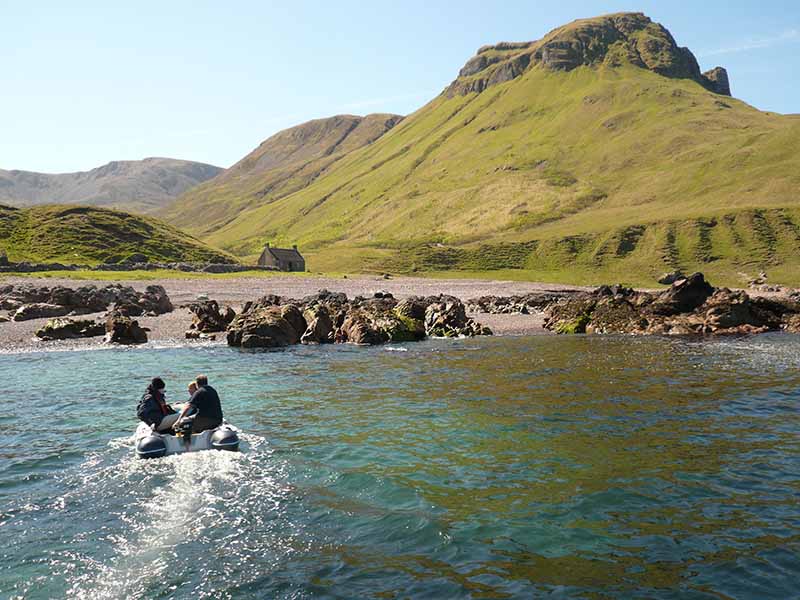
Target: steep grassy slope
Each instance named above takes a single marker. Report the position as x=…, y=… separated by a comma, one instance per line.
x=285, y=163
x=87, y=235
x=138, y=185
x=617, y=165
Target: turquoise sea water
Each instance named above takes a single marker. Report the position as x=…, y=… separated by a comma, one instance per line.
x=557, y=467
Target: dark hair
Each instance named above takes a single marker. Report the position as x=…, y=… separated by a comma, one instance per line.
x=157, y=384
x=201, y=380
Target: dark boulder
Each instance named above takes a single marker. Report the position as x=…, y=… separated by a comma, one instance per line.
x=683, y=296
x=121, y=329
x=208, y=317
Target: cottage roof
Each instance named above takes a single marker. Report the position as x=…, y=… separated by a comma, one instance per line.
x=285, y=254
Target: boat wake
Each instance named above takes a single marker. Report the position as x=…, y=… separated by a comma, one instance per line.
x=175, y=522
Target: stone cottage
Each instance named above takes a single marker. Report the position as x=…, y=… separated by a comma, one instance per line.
x=285, y=259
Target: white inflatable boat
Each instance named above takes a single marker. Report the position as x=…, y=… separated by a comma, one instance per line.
x=155, y=444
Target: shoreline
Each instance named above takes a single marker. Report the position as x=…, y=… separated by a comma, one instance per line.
x=169, y=329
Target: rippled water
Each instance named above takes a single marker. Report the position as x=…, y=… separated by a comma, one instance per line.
x=568, y=467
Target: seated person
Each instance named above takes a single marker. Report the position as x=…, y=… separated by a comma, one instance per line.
x=153, y=408
x=206, y=402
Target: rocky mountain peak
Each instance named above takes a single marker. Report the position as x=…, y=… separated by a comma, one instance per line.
x=611, y=40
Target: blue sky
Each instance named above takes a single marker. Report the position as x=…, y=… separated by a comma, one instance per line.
x=84, y=83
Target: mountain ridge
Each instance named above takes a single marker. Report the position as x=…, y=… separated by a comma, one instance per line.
x=140, y=185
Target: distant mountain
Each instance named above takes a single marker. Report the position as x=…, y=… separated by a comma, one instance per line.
x=137, y=185
x=600, y=152
x=285, y=163
x=90, y=235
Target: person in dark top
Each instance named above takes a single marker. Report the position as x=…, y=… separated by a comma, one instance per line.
x=206, y=402
x=153, y=408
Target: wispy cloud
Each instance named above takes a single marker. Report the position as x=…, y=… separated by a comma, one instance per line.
x=790, y=35
x=369, y=103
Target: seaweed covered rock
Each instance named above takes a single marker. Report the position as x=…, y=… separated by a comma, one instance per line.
x=330, y=317
x=447, y=317
x=689, y=307
x=64, y=329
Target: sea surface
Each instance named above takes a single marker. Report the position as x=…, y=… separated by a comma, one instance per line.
x=531, y=467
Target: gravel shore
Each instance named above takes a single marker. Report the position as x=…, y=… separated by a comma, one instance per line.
x=169, y=329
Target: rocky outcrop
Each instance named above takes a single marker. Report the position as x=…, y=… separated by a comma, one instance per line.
x=319, y=325
x=121, y=329
x=40, y=310
x=265, y=325
x=66, y=329
x=718, y=81
x=447, y=317
x=691, y=306
x=329, y=317
x=152, y=302
x=39, y=302
x=208, y=317
x=611, y=40
x=523, y=304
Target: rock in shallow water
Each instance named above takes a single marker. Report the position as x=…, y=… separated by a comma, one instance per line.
x=121, y=329
x=330, y=317
x=689, y=307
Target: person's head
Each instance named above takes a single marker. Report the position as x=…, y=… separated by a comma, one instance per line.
x=192, y=387
x=157, y=385
x=201, y=380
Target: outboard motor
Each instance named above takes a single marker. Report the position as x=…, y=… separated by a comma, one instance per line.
x=225, y=439
x=152, y=446
x=184, y=430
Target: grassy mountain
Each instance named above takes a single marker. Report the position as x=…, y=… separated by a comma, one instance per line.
x=89, y=235
x=285, y=163
x=139, y=185
x=599, y=152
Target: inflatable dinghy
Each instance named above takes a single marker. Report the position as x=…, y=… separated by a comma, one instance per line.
x=155, y=444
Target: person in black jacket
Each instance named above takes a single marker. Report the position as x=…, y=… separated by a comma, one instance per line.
x=208, y=408
x=153, y=408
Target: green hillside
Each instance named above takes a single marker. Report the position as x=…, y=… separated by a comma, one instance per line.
x=87, y=235
x=599, y=152
x=287, y=162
